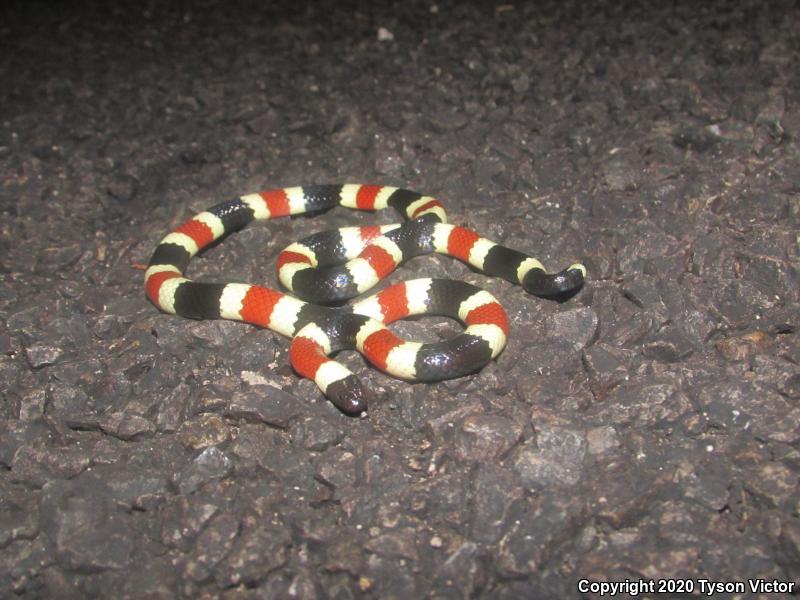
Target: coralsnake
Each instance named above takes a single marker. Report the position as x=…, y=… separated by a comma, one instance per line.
x=333, y=266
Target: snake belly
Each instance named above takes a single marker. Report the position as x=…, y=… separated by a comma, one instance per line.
x=333, y=266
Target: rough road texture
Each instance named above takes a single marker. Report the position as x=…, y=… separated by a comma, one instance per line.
x=649, y=427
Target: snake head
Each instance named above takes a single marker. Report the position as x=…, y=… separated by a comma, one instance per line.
x=558, y=286
x=348, y=395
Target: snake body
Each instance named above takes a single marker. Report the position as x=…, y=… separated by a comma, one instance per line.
x=333, y=266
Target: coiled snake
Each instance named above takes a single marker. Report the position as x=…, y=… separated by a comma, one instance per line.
x=333, y=266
